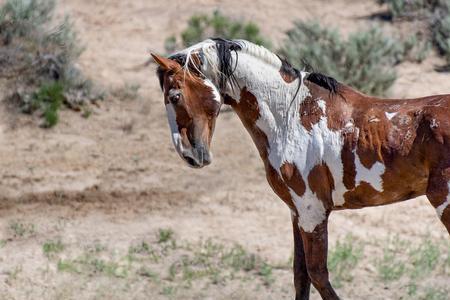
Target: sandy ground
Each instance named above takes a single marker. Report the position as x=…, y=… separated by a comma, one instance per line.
x=115, y=179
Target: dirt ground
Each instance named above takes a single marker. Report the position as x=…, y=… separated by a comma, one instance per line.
x=98, y=187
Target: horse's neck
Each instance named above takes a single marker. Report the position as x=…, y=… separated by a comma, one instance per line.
x=276, y=108
x=274, y=95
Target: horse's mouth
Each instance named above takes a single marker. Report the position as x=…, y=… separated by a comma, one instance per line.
x=198, y=160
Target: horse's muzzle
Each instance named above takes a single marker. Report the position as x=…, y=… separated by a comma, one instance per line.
x=197, y=157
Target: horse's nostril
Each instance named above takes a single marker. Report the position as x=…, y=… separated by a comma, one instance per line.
x=190, y=160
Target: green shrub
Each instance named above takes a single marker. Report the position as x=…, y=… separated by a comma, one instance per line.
x=365, y=60
x=202, y=26
x=440, y=28
x=343, y=258
x=435, y=15
x=410, y=8
x=19, y=18
x=38, y=58
x=48, y=99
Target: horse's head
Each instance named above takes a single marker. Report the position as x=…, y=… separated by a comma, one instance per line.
x=192, y=104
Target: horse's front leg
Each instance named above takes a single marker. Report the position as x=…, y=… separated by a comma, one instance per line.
x=316, y=247
x=301, y=278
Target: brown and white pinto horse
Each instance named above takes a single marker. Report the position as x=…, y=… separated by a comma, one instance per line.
x=324, y=145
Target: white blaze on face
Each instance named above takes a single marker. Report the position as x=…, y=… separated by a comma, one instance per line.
x=175, y=133
x=372, y=176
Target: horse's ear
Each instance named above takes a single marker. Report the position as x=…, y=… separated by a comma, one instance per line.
x=165, y=63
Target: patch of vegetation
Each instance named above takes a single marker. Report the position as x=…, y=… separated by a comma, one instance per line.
x=392, y=265
x=435, y=16
x=209, y=260
x=14, y=273
x=424, y=258
x=203, y=26
x=146, y=250
x=165, y=235
x=48, y=100
x=440, y=28
x=173, y=268
x=364, y=61
x=147, y=272
x=168, y=290
x=435, y=294
x=37, y=59
x=93, y=265
x=343, y=258
x=127, y=92
x=21, y=230
x=410, y=9
x=51, y=247
x=67, y=266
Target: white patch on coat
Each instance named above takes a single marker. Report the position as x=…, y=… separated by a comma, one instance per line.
x=440, y=209
x=310, y=210
x=434, y=124
x=322, y=105
x=390, y=115
x=371, y=176
x=215, y=91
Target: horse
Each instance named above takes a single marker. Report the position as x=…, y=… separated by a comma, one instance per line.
x=324, y=145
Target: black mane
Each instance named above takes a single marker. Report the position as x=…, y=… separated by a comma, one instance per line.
x=324, y=81
x=224, y=49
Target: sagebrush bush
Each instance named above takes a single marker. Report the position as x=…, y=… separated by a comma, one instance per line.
x=202, y=26
x=435, y=15
x=410, y=8
x=364, y=61
x=37, y=53
x=440, y=28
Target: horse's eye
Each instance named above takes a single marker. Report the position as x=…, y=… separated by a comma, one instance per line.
x=174, y=96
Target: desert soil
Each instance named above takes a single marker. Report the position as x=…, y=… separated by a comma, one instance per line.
x=113, y=180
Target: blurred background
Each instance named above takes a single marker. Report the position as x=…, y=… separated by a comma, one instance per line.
x=96, y=204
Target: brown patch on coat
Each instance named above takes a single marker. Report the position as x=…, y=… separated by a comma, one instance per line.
x=310, y=112
x=278, y=185
x=321, y=183
x=247, y=109
x=373, y=138
x=293, y=178
x=348, y=162
x=337, y=111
